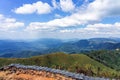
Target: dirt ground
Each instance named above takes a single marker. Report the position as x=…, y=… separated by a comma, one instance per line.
x=14, y=76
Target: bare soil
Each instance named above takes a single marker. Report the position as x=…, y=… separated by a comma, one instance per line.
x=5, y=75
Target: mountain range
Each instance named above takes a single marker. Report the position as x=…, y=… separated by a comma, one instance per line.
x=20, y=49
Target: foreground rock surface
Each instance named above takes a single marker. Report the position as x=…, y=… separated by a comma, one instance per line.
x=14, y=76
x=21, y=72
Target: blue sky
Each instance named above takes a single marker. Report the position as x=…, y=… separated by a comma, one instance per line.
x=64, y=19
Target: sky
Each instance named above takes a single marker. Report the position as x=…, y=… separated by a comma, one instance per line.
x=63, y=19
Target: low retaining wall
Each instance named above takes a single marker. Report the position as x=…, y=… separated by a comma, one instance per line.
x=48, y=72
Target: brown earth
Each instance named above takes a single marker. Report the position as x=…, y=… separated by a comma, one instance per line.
x=5, y=75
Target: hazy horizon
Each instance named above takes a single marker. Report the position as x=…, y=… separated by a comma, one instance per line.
x=62, y=39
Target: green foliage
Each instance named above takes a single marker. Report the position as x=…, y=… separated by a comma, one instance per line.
x=72, y=62
x=109, y=58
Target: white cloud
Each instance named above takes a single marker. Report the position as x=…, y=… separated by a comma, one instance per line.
x=90, y=31
x=37, y=26
x=104, y=28
x=95, y=30
x=38, y=7
x=10, y=28
x=93, y=12
x=105, y=7
x=55, y=4
x=90, y=13
x=67, y=5
x=64, y=5
x=58, y=16
x=7, y=24
x=25, y=9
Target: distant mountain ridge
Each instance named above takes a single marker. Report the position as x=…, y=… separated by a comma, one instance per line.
x=90, y=44
x=12, y=48
x=18, y=48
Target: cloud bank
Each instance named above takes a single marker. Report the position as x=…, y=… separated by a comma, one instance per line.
x=89, y=15
x=9, y=24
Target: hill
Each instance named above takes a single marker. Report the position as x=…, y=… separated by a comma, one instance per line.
x=109, y=58
x=72, y=62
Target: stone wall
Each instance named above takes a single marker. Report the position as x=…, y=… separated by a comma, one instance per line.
x=54, y=74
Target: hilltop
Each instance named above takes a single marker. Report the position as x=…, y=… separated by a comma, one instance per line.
x=79, y=63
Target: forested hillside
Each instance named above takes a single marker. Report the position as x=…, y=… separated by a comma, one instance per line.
x=109, y=58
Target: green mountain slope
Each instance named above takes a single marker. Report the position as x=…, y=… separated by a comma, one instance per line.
x=72, y=62
x=109, y=58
